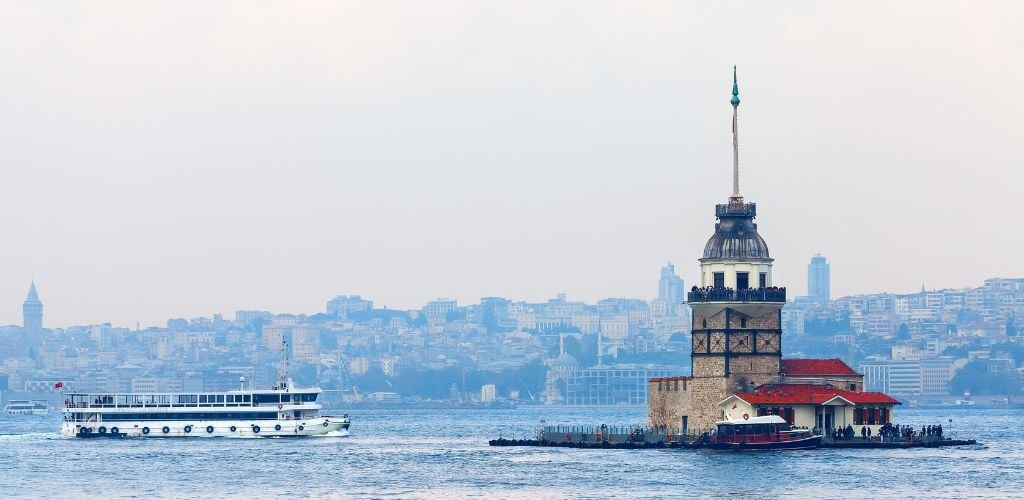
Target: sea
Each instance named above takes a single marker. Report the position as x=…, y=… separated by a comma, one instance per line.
x=435, y=453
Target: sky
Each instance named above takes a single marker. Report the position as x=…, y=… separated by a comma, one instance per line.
x=179, y=159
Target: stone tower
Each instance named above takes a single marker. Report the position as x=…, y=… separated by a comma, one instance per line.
x=32, y=311
x=737, y=311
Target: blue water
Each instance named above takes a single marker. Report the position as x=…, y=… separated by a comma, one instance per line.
x=444, y=453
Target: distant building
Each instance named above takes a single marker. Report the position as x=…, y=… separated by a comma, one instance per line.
x=342, y=305
x=439, y=308
x=494, y=313
x=32, y=311
x=488, y=393
x=246, y=317
x=670, y=287
x=818, y=279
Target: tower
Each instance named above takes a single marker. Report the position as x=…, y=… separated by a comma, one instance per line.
x=818, y=280
x=32, y=311
x=737, y=312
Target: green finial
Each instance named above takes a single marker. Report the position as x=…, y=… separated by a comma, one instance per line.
x=735, y=89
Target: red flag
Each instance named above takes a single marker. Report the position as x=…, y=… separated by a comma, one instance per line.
x=58, y=385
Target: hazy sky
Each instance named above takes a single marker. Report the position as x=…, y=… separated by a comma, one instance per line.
x=165, y=159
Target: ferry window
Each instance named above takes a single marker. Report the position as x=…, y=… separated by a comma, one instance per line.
x=220, y=398
x=246, y=398
x=202, y=398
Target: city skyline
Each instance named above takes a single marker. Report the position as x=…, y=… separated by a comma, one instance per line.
x=191, y=162
x=32, y=306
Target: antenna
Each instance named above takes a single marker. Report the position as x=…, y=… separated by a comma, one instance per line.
x=736, y=197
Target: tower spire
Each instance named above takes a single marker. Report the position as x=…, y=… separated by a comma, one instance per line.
x=736, y=197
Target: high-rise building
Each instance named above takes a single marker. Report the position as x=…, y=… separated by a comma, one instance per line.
x=818, y=281
x=32, y=311
x=670, y=286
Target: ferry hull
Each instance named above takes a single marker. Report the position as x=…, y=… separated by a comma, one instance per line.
x=200, y=428
x=795, y=444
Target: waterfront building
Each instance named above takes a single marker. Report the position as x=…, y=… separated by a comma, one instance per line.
x=818, y=279
x=488, y=393
x=736, y=349
x=32, y=312
x=611, y=385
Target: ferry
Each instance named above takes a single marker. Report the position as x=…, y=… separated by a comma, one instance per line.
x=26, y=407
x=282, y=411
x=770, y=432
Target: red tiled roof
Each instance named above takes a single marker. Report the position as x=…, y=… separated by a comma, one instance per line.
x=668, y=379
x=834, y=366
x=810, y=394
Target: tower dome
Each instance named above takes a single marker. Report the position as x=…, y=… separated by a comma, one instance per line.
x=736, y=236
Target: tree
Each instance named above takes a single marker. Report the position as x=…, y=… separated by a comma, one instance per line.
x=903, y=332
x=975, y=378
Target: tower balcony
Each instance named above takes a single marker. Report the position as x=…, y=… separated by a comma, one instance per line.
x=771, y=294
x=736, y=209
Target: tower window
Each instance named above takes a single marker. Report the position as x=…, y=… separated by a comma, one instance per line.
x=704, y=323
x=764, y=280
x=719, y=279
x=742, y=281
x=743, y=322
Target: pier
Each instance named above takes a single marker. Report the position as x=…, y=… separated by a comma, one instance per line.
x=640, y=438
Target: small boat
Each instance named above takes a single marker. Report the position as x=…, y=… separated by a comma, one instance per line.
x=26, y=407
x=770, y=432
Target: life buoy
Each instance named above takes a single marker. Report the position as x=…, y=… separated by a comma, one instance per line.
x=102, y=430
x=746, y=416
x=188, y=429
x=302, y=427
x=115, y=430
x=85, y=430
x=166, y=429
x=279, y=406
x=325, y=423
x=255, y=429
x=233, y=428
x=145, y=430
x=209, y=429
x=277, y=427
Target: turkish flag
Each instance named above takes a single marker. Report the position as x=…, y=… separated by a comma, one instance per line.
x=58, y=385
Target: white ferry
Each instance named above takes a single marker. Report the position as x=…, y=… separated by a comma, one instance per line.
x=26, y=407
x=278, y=412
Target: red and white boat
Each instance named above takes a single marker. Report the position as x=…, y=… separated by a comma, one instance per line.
x=770, y=432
